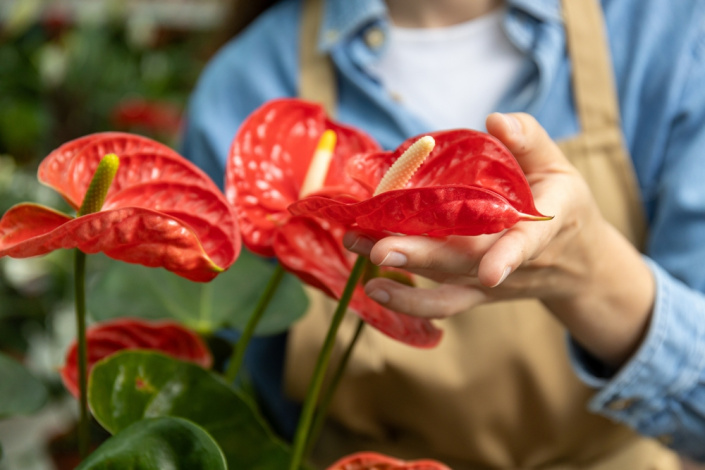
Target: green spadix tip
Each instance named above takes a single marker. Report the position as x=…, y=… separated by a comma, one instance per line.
x=100, y=184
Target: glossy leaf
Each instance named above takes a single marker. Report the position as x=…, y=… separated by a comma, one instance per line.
x=157, y=444
x=104, y=339
x=227, y=301
x=133, y=385
x=20, y=391
x=375, y=461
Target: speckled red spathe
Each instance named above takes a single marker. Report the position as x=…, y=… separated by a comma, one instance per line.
x=375, y=461
x=106, y=338
x=470, y=184
x=160, y=210
x=266, y=166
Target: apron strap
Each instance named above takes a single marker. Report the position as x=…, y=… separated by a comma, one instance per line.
x=597, y=106
x=317, y=81
x=594, y=90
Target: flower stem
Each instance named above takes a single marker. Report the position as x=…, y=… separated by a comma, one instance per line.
x=320, y=418
x=80, y=299
x=239, y=351
x=314, y=388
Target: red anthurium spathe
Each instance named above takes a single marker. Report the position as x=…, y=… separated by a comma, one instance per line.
x=267, y=165
x=374, y=461
x=160, y=210
x=109, y=337
x=470, y=184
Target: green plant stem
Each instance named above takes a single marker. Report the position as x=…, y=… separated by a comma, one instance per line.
x=80, y=299
x=320, y=417
x=314, y=388
x=238, y=354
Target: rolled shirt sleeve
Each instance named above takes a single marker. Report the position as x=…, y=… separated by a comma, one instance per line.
x=660, y=391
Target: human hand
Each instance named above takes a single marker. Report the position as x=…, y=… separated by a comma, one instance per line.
x=576, y=263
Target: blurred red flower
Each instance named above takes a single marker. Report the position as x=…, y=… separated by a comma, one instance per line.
x=374, y=461
x=156, y=117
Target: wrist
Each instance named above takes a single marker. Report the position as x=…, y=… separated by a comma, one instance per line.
x=609, y=307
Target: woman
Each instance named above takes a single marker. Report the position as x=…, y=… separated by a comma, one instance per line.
x=500, y=391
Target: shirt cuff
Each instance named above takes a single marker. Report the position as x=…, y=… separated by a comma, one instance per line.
x=645, y=392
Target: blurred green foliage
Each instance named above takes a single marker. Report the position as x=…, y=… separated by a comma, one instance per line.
x=62, y=78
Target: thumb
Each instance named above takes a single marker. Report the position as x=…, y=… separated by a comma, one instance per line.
x=527, y=140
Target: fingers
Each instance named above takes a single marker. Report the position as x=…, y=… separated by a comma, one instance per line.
x=447, y=256
x=526, y=139
x=440, y=302
x=515, y=248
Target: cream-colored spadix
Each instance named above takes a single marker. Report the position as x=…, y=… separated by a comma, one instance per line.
x=404, y=168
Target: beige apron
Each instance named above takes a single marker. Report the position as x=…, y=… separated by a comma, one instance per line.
x=498, y=392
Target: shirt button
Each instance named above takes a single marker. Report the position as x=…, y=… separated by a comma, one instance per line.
x=374, y=37
x=621, y=404
x=331, y=35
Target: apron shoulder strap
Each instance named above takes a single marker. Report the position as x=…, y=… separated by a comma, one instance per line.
x=317, y=75
x=593, y=83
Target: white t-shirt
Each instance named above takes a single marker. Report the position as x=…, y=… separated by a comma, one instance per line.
x=451, y=76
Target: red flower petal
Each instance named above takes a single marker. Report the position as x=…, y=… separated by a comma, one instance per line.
x=133, y=234
x=110, y=337
x=25, y=221
x=314, y=252
x=460, y=157
x=69, y=169
x=375, y=461
x=207, y=212
x=268, y=161
x=434, y=211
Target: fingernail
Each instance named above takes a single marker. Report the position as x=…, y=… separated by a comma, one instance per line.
x=513, y=123
x=394, y=259
x=506, y=272
x=357, y=244
x=379, y=296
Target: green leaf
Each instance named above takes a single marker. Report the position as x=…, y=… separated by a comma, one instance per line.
x=156, y=444
x=20, y=391
x=132, y=385
x=134, y=290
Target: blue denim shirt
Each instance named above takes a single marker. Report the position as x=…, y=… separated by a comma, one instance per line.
x=658, y=50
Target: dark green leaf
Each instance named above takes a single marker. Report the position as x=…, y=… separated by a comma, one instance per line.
x=156, y=444
x=20, y=391
x=132, y=290
x=134, y=385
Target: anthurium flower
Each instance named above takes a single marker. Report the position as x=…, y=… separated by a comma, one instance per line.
x=159, y=211
x=374, y=461
x=269, y=161
x=152, y=116
x=469, y=184
x=109, y=337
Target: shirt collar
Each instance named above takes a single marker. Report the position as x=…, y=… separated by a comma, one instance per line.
x=345, y=18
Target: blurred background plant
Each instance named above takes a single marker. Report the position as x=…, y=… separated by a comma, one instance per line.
x=70, y=68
